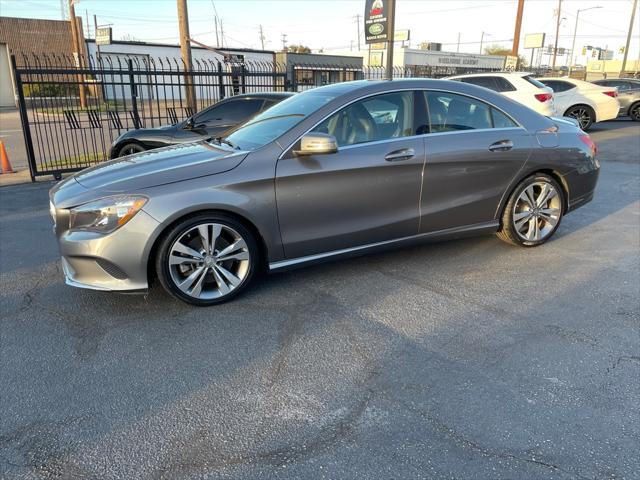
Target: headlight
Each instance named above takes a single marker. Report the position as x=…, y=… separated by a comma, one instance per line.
x=107, y=214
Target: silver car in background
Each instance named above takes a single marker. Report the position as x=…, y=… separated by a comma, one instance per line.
x=334, y=171
x=628, y=95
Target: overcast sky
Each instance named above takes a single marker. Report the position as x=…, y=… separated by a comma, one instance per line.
x=331, y=24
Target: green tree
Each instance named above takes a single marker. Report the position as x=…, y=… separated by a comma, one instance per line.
x=298, y=49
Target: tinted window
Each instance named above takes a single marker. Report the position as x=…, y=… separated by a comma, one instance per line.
x=375, y=118
x=486, y=82
x=272, y=123
x=504, y=85
x=500, y=120
x=230, y=112
x=450, y=112
x=558, y=85
x=533, y=81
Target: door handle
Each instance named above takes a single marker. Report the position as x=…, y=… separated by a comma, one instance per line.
x=501, y=146
x=398, y=155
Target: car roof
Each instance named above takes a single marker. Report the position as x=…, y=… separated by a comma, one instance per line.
x=492, y=74
x=263, y=95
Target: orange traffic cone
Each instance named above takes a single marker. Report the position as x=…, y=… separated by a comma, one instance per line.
x=4, y=160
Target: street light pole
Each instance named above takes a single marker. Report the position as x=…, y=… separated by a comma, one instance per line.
x=391, y=13
x=626, y=48
x=575, y=30
x=481, y=40
x=555, y=47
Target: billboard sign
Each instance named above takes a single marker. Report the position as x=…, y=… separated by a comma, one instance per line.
x=534, y=40
x=103, y=36
x=376, y=21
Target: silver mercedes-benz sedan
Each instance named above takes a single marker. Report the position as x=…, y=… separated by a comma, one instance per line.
x=338, y=170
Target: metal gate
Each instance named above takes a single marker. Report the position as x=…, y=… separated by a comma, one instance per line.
x=71, y=115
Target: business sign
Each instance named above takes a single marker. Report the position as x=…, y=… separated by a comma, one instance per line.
x=378, y=46
x=510, y=63
x=534, y=40
x=401, y=35
x=103, y=36
x=376, y=21
x=375, y=59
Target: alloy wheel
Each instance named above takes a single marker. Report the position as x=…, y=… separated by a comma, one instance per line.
x=582, y=115
x=537, y=211
x=209, y=261
x=635, y=113
x=131, y=149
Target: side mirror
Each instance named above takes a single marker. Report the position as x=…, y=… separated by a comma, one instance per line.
x=317, y=144
x=189, y=124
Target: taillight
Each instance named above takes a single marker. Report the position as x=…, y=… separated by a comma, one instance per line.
x=612, y=93
x=543, y=97
x=586, y=139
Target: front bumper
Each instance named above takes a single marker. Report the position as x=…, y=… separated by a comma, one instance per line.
x=112, y=262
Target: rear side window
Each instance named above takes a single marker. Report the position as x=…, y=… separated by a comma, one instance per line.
x=559, y=85
x=451, y=112
x=500, y=120
x=533, y=81
x=486, y=82
x=231, y=111
x=504, y=85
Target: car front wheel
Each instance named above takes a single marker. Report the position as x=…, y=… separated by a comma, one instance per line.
x=533, y=212
x=130, y=149
x=207, y=259
x=634, y=112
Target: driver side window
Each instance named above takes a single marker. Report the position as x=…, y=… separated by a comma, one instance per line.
x=374, y=118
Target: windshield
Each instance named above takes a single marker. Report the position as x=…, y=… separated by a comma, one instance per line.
x=277, y=120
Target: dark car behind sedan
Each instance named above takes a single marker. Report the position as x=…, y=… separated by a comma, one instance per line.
x=214, y=121
x=628, y=95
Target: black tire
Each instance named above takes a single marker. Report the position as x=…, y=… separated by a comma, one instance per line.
x=130, y=149
x=178, y=230
x=634, y=112
x=584, y=114
x=508, y=231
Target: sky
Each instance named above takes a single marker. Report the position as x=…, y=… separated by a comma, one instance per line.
x=332, y=24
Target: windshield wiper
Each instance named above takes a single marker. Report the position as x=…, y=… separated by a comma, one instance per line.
x=221, y=140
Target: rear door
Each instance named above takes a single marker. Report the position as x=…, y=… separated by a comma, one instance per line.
x=564, y=94
x=473, y=152
x=367, y=192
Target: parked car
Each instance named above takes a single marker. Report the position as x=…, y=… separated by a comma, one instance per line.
x=334, y=171
x=587, y=102
x=213, y=121
x=628, y=95
x=519, y=86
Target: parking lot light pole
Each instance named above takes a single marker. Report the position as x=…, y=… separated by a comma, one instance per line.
x=575, y=30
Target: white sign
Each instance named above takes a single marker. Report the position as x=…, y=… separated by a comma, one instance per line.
x=103, y=36
x=534, y=40
x=401, y=35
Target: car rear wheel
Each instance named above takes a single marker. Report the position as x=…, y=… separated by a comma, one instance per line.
x=207, y=259
x=583, y=114
x=130, y=149
x=533, y=212
x=634, y=112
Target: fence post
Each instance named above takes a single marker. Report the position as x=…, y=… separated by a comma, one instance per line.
x=134, y=95
x=243, y=78
x=294, y=85
x=220, y=81
x=24, y=120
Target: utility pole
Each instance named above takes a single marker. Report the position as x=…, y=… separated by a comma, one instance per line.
x=77, y=48
x=391, y=14
x=626, y=48
x=284, y=42
x=261, y=37
x=215, y=21
x=358, y=24
x=481, y=41
x=185, y=50
x=95, y=35
x=221, y=32
x=555, y=47
x=515, y=47
x=458, y=47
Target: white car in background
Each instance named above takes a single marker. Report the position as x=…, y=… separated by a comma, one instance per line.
x=519, y=86
x=586, y=102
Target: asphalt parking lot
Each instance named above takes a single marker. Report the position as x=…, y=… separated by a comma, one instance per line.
x=467, y=359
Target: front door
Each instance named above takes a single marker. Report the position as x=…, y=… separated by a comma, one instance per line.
x=365, y=193
x=473, y=153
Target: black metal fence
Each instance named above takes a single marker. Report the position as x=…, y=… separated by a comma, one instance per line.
x=72, y=113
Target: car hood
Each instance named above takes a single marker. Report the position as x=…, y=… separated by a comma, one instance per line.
x=157, y=167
